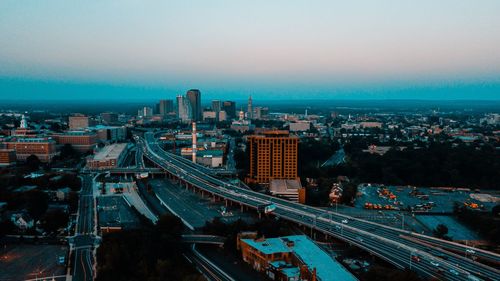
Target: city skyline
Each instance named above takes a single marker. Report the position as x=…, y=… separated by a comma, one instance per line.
x=388, y=50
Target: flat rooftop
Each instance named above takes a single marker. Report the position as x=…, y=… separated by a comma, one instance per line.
x=327, y=268
x=279, y=185
x=110, y=152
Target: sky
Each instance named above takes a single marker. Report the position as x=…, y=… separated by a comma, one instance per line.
x=384, y=49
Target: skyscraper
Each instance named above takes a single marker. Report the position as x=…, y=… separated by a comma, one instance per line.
x=273, y=155
x=194, y=97
x=217, y=108
x=230, y=108
x=216, y=105
x=165, y=107
x=145, y=112
x=250, y=109
x=184, y=109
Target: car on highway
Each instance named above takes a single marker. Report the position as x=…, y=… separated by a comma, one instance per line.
x=454, y=272
x=345, y=221
x=470, y=251
x=473, y=278
x=415, y=258
x=434, y=263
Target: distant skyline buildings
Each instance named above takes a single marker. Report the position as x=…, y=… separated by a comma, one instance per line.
x=165, y=107
x=184, y=109
x=194, y=97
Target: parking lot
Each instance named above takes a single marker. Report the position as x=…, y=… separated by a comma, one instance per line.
x=22, y=262
x=419, y=199
x=113, y=211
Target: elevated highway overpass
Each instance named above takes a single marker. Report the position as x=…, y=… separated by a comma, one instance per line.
x=383, y=241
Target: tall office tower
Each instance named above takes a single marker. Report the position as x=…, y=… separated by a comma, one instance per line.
x=217, y=107
x=165, y=107
x=230, y=108
x=273, y=155
x=194, y=97
x=184, y=110
x=250, y=109
x=145, y=112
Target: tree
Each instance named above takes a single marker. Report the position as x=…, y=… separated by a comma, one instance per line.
x=33, y=162
x=67, y=151
x=53, y=220
x=36, y=203
x=496, y=211
x=441, y=231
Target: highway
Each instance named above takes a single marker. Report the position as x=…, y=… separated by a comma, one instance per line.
x=383, y=241
x=83, y=241
x=206, y=267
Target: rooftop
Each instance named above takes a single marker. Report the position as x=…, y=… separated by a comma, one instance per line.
x=305, y=250
x=280, y=185
x=110, y=152
x=268, y=246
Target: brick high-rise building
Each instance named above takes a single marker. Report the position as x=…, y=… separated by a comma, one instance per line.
x=273, y=155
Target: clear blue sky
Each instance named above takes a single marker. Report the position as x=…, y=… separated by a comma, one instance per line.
x=404, y=49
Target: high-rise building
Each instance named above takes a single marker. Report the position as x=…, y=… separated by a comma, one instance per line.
x=194, y=97
x=145, y=112
x=216, y=105
x=249, y=108
x=273, y=155
x=165, y=107
x=230, y=108
x=184, y=109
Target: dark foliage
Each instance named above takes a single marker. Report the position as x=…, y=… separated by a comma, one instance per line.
x=486, y=223
x=36, y=202
x=436, y=165
x=152, y=253
x=33, y=162
x=441, y=231
x=53, y=220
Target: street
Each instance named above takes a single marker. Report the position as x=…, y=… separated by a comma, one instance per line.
x=83, y=242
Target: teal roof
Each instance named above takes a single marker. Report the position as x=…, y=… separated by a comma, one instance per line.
x=268, y=246
x=327, y=268
x=292, y=272
x=313, y=256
